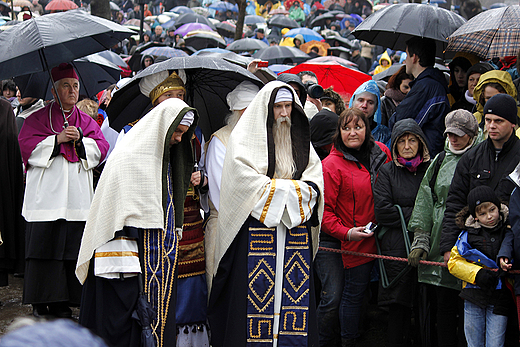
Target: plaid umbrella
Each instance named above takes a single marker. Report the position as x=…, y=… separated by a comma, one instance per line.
x=493, y=33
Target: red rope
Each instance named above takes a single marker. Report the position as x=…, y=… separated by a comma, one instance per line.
x=387, y=257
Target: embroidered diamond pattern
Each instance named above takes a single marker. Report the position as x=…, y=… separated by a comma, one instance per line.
x=298, y=279
x=263, y=280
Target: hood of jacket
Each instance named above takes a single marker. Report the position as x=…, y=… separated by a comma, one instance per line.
x=408, y=126
x=371, y=87
x=386, y=57
x=493, y=76
x=465, y=220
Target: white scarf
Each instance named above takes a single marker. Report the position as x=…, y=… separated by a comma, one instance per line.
x=130, y=191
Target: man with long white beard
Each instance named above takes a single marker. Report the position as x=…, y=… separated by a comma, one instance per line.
x=267, y=233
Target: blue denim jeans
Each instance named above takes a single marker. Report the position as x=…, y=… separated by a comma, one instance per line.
x=329, y=269
x=356, y=284
x=482, y=327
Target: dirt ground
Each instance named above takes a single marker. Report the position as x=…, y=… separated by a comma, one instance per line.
x=12, y=308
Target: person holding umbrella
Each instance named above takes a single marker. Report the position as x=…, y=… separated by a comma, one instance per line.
x=60, y=147
x=427, y=102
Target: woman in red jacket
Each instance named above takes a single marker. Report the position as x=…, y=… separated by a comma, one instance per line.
x=349, y=173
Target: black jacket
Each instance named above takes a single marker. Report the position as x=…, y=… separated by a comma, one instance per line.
x=479, y=166
x=396, y=185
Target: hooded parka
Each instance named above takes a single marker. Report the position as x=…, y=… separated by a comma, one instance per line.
x=396, y=185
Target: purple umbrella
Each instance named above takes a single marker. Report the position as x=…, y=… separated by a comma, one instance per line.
x=186, y=28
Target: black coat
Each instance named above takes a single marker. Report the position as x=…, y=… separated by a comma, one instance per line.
x=396, y=185
x=479, y=166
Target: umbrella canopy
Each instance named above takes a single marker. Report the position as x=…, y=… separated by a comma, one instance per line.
x=144, y=313
x=113, y=58
x=181, y=10
x=210, y=50
x=223, y=6
x=308, y=34
x=226, y=29
x=22, y=3
x=282, y=21
x=165, y=51
x=44, y=42
x=265, y=75
x=95, y=74
x=208, y=83
x=254, y=19
x=393, y=25
x=330, y=59
x=193, y=18
x=385, y=75
x=201, y=10
x=321, y=19
x=137, y=22
x=204, y=39
x=344, y=80
x=246, y=45
x=322, y=47
x=114, y=7
x=279, y=68
x=490, y=34
x=186, y=28
x=61, y=5
x=279, y=10
x=281, y=55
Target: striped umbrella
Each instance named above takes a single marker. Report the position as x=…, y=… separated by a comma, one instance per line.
x=493, y=33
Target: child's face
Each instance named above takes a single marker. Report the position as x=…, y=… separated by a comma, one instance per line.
x=488, y=215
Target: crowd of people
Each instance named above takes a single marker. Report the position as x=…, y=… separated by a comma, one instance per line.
x=262, y=233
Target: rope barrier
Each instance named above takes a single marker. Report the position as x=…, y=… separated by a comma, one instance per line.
x=387, y=257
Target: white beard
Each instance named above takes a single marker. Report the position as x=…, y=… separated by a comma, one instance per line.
x=232, y=118
x=285, y=166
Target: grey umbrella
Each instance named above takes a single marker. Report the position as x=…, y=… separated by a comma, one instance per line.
x=208, y=82
x=281, y=55
x=246, y=45
x=282, y=21
x=393, y=25
x=192, y=18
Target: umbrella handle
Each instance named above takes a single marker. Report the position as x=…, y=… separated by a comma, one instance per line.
x=65, y=121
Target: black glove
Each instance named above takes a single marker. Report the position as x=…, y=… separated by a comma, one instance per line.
x=417, y=255
x=487, y=280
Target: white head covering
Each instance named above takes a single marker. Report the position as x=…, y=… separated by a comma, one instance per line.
x=148, y=83
x=242, y=96
x=283, y=95
x=188, y=119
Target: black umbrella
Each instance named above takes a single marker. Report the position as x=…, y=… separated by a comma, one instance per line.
x=343, y=42
x=246, y=45
x=225, y=29
x=95, y=74
x=43, y=42
x=393, y=25
x=320, y=20
x=263, y=2
x=254, y=19
x=203, y=40
x=192, y=18
x=144, y=314
x=208, y=83
x=281, y=55
x=282, y=21
x=264, y=74
x=385, y=75
x=135, y=60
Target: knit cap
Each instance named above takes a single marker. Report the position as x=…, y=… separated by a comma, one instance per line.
x=502, y=105
x=480, y=195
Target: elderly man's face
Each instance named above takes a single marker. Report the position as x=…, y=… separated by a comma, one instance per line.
x=158, y=30
x=366, y=102
x=282, y=109
x=68, y=91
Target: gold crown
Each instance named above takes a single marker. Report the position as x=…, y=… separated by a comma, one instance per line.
x=172, y=82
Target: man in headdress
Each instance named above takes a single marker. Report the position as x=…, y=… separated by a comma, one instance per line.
x=60, y=147
x=159, y=247
x=268, y=224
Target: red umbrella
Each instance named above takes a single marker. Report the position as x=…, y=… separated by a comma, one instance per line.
x=61, y=5
x=344, y=80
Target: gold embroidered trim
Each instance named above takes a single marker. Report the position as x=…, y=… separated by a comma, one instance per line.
x=192, y=274
x=116, y=254
x=268, y=202
x=300, y=199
